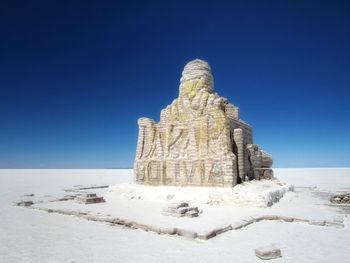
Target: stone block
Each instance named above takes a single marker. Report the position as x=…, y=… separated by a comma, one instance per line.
x=180, y=209
x=177, y=205
x=186, y=233
x=268, y=252
x=341, y=199
x=24, y=203
x=89, y=198
x=191, y=213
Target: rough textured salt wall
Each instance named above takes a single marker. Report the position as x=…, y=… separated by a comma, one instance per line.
x=196, y=139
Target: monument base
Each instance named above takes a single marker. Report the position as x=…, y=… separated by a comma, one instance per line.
x=263, y=193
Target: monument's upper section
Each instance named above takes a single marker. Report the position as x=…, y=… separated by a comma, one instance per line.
x=196, y=94
x=200, y=139
x=199, y=71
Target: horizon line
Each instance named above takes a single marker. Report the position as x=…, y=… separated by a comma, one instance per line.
x=131, y=168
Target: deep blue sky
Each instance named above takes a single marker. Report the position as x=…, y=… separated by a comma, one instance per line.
x=76, y=75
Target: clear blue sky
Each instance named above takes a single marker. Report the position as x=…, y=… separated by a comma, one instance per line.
x=76, y=75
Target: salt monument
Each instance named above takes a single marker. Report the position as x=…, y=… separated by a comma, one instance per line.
x=200, y=139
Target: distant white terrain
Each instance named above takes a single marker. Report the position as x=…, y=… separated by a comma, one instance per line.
x=30, y=235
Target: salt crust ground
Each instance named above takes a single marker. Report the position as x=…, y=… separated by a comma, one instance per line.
x=31, y=236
